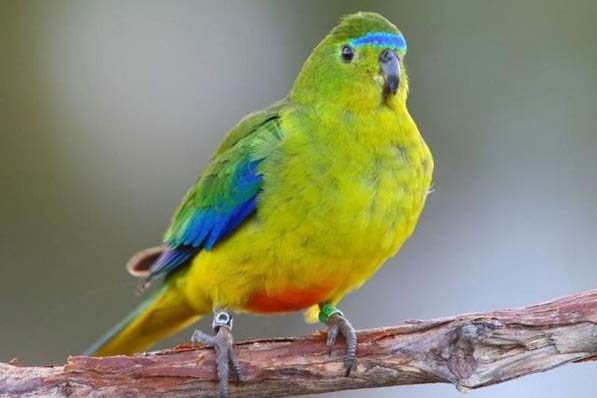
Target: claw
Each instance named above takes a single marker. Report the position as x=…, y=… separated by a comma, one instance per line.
x=338, y=324
x=333, y=331
x=223, y=343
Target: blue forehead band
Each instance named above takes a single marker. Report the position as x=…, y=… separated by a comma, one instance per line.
x=381, y=39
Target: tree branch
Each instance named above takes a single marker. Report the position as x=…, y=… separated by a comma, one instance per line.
x=469, y=351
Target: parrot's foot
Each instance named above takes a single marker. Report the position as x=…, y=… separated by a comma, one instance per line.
x=338, y=324
x=223, y=343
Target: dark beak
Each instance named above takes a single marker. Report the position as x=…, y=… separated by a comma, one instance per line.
x=390, y=67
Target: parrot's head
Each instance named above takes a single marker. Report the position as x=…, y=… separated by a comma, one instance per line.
x=357, y=66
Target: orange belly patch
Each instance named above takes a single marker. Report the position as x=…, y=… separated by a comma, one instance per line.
x=287, y=300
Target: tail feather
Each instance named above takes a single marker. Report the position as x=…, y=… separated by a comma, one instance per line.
x=159, y=316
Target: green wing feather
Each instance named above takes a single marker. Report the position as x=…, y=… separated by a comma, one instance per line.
x=226, y=194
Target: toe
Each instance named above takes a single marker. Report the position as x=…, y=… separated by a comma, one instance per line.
x=338, y=324
x=223, y=370
x=333, y=331
x=199, y=337
x=233, y=358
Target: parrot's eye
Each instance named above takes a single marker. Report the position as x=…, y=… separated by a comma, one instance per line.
x=347, y=53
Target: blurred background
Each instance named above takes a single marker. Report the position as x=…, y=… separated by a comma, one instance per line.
x=109, y=110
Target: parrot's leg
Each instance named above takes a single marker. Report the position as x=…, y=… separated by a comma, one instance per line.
x=337, y=323
x=223, y=343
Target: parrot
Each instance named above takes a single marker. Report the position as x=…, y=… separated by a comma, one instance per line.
x=300, y=204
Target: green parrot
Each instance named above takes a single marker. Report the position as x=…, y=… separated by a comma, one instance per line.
x=301, y=204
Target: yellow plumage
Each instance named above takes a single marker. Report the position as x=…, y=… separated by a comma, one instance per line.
x=342, y=190
x=338, y=231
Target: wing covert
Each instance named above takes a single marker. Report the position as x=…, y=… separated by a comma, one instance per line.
x=224, y=196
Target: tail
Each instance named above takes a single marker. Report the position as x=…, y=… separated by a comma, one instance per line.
x=159, y=316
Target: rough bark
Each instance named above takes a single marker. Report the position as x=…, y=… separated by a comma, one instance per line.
x=469, y=351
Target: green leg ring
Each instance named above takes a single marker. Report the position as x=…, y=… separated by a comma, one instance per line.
x=326, y=311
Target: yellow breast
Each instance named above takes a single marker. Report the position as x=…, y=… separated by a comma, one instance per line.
x=335, y=205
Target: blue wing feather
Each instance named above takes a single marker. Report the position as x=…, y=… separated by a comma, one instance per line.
x=225, y=196
x=207, y=227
